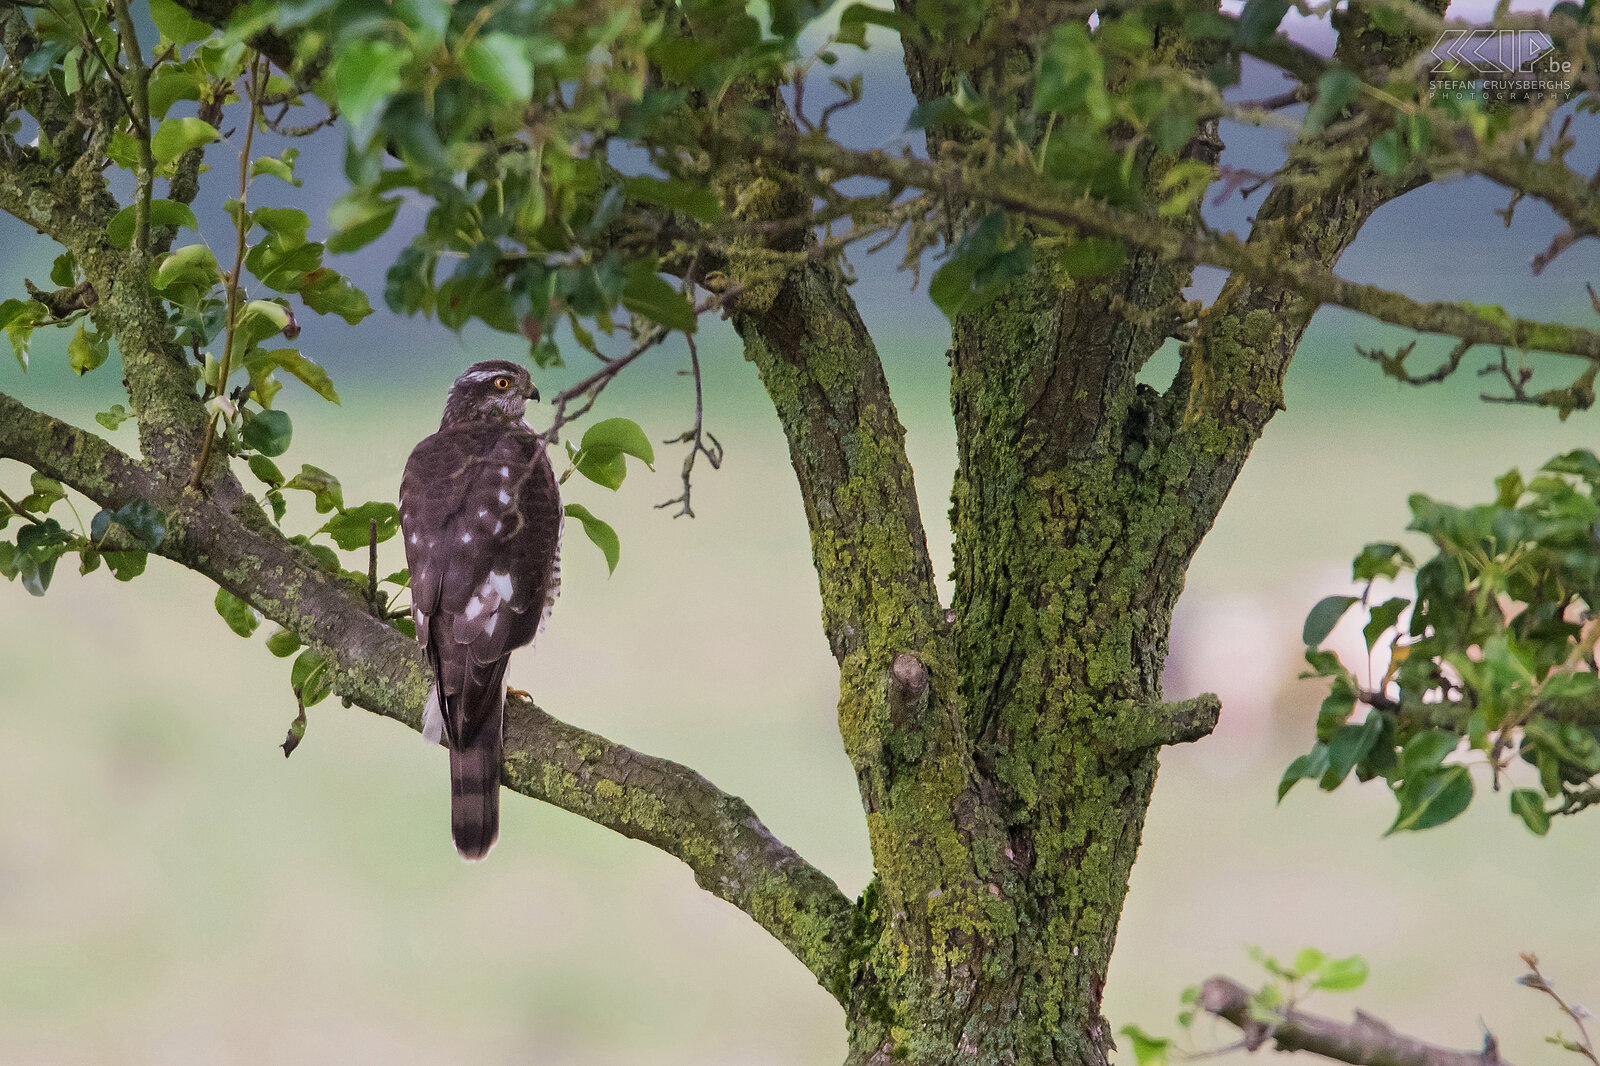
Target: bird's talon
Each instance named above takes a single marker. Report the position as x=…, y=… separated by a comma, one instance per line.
x=519, y=694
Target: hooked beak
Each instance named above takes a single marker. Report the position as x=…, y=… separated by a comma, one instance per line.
x=533, y=392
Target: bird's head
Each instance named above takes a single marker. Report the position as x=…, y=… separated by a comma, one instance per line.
x=495, y=390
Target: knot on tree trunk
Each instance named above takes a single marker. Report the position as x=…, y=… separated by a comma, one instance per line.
x=908, y=689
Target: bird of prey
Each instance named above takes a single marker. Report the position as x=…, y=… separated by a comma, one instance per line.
x=481, y=517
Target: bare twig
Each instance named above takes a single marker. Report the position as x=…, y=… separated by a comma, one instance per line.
x=1535, y=980
x=696, y=438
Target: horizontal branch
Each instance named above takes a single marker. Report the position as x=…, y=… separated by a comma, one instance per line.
x=1365, y=1041
x=1259, y=260
x=661, y=803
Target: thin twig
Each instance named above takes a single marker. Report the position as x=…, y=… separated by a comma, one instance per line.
x=242, y=227
x=1535, y=980
x=696, y=438
x=17, y=509
x=372, y=561
x=140, y=79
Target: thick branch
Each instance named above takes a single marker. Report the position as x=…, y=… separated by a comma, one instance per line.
x=661, y=803
x=1366, y=1041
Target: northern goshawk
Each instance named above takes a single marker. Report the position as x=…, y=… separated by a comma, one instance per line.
x=481, y=517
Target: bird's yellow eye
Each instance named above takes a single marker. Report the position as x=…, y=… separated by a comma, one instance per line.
x=502, y=383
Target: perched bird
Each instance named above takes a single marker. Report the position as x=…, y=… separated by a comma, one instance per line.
x=481, y=517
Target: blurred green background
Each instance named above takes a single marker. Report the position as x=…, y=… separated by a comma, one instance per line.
x=172, y=891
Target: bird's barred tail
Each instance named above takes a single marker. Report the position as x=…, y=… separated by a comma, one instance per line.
x=475, y=793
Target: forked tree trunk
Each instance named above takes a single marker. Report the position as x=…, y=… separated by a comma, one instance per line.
x=1006, y=748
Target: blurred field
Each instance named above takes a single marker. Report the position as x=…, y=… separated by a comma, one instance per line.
x=173, y=892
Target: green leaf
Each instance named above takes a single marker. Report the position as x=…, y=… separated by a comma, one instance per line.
x=600, y=457
x=499, y=62
x=1307, y=960
x=87, y=351
x=311, y=678
x=1380, y=560
x=647, y=293
x=267, y=471
x=1335, y=90
x=162, y=213
x=1528, y=804
x=623, y=435
x=1309, y=766
x=1147, y=1050
x=268, y=432
x=604, y=537
x=175, y=24
x=298, y=365
x=259, y=320
x=607, y=470
x=1433, y=799
x=323, y=486
x=141, y=519
x=19, y=319
x=169, y=85
x=1388, y=154
x=281, y=168
x=359, y=218
x=176, y=136
x=1383, y=616
x=330, y=293
x=696, y=201
x=1259, y=20
x=1323, y=617
x=1427, y=751
x=983, y=263
x=63, y=270
x=193, y=264
x=1342, y=975
x=113, y=418
x=366, y=74
x=1350, y=744
x=125, y=566
x=283, y=643
x=352, y=529
x=237, y=613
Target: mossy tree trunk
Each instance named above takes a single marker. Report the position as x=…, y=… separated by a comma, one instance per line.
x=1006, y=747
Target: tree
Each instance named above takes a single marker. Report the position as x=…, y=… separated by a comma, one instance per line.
x=581, y=163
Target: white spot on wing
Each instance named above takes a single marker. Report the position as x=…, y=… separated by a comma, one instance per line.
x=466, y=538
x=415, y=538
x=474, y=608
x=501, y=583
x=488, y=627
x=505, y=497
x=483, y=512
x=505, y=471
